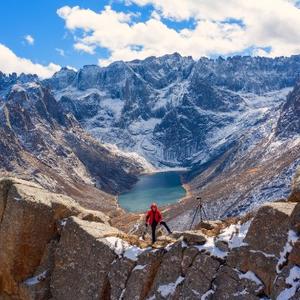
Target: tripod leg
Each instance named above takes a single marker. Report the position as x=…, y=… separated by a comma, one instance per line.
x=204, y=213
x=194, y=218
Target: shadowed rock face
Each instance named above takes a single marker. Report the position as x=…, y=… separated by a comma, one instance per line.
x=266, y=239
x=52, y=248
x=75, y=276
x=289, y=121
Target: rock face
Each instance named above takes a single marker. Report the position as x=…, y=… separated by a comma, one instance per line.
x=52, y=248
x=295, y=195
x=29, y=218
x=82, y=261
x=288, y=123
x=268, y=241
x=202, y=269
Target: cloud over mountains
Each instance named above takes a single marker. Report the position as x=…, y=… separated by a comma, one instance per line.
x=258, y=27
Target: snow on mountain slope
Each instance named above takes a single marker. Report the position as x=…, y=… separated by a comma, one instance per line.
x=40, y=142
x=257, y=119
x=289, y=121
x=143, y=136
x=172, y=109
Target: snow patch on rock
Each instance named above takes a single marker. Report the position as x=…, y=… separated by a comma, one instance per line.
x=293, y=280
x=122, y=248
x=36, y=279
x=292, y=238
x=169, y=289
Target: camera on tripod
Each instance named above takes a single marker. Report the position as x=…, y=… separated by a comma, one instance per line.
x=200, y=201
x=199, y=211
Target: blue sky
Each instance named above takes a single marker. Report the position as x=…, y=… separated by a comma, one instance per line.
x=39, y=19
x=40, y=36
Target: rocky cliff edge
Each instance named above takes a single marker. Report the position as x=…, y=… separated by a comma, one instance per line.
x=52, y=248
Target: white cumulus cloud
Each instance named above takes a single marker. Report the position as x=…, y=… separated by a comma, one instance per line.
x=10, y=62
x=29, y=39
x=85, y=48
x=268, y=27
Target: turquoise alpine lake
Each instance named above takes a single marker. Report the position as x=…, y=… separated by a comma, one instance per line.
x=162, y=188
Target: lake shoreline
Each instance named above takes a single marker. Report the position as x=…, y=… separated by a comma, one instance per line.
x=188, y=193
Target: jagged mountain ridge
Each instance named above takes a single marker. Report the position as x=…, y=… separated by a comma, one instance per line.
x=165, y=108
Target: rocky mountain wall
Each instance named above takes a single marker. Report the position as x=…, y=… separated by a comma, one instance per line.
x=39, y=141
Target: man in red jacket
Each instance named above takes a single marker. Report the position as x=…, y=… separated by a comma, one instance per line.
x=153, y=218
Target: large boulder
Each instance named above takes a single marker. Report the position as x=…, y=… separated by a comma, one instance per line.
x=83, y=260
x=194, y=237
x=268, y=230
x=234, y=285
x=265, y=242
x=203, y=269
x=29, y=217
x=168, y=276
x=295, y=194
x=142, y=276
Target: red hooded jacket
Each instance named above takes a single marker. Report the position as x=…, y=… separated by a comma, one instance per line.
x=153, y=215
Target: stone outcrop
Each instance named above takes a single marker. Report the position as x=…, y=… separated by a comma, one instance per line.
x=52, y=248
x=268, y=229
x=82, y=261
x=203, y=269
x=193, y=238
x=267, y=243
x=231, y=284
x=29, y=221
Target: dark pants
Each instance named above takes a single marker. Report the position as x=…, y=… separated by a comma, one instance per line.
x=153, y=227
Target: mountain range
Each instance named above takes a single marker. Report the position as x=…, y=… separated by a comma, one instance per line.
x=233, y=123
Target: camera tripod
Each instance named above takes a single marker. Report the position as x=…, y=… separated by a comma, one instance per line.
x=199, y=211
